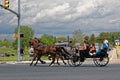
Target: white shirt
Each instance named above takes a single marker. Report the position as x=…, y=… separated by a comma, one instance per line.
x=31, y=50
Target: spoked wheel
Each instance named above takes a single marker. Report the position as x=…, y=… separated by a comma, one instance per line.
x=78, y=62
x=74, y=61
x=101, y=62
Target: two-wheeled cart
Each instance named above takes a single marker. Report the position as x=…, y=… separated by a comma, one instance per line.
x=100, y=60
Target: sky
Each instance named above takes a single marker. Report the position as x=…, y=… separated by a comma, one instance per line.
x=63, y=17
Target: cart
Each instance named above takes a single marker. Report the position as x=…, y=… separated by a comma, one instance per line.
x=100, y=60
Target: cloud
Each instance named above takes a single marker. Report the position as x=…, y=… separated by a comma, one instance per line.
x=66, y=15
x=51, y=13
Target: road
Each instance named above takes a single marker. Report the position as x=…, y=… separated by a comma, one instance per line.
x=43, y=72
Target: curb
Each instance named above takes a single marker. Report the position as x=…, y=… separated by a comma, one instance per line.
x=115, y=61
x=25, y=62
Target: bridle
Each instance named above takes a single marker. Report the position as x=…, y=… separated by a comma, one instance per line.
x=34, y=43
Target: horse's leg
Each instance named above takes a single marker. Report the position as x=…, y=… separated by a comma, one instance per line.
x=38, y=58
x=33, y=60
x=61, y=57
x=53, y=60
x=43, y=62
x=58, y=60
x=36, y=61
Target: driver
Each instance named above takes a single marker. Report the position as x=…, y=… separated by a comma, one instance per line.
x=85, y=51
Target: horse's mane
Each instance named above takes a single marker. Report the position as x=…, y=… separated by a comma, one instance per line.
x=39, y=42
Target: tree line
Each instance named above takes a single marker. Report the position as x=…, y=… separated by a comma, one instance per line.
x=77, y=37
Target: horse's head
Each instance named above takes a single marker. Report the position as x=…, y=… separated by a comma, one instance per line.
x=38, y=41
x=33, y=42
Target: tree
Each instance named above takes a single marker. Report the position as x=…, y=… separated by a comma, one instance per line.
x=114, y=36
x=61, y=38
x=47, y=39
x=6, y=43
x=0, y=43
x=86, y=38
x=28, y=34
x=92, y=38
x=102, y=36
x=78, y=36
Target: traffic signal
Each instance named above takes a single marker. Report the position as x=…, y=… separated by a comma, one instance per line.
x=15, y=35
x=6, y=4
x=21, y=35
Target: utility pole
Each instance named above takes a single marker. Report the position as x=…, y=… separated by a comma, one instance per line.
x=18, y=15
x=19, y=30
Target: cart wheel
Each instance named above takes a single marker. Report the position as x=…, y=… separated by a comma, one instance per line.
x=101, y=62
x=74, y=62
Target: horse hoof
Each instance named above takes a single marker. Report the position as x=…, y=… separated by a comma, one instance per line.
x=58, y=64
x=30, y=64
x=65, y=63
x=34, y=64
x=43, y=62
x=51, y=65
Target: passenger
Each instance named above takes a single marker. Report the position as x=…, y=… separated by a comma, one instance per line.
x=103, y=51
x=86, y=47
x=92, y=49
x=85, y=51
x=104, y=47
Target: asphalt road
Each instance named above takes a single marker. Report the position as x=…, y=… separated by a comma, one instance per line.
x=43, y=72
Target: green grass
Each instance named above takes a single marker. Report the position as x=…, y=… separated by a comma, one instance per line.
x=7, y=50
x=15, y=58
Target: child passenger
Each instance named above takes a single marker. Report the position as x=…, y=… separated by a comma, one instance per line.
x=92, y=49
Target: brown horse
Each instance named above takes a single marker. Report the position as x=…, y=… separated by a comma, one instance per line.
x=43, y=50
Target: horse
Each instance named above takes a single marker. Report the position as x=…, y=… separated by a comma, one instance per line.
x=41, y=50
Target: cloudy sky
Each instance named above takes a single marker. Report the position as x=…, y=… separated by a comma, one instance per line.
x=62, y=17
